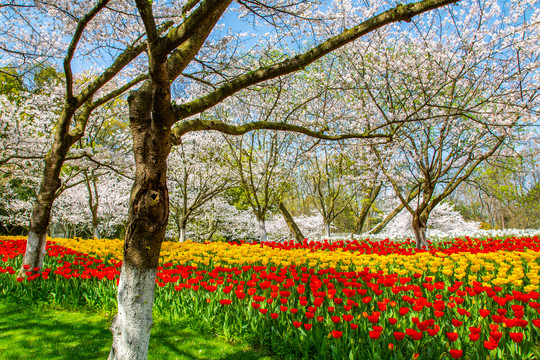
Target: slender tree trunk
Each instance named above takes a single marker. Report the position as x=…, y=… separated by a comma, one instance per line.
x=213, y=228
x=93, y=202
x=326, y=229
x=419, y=228
x=366, y=207
x=377, y=229
x=95, y=231
x=291, y=224
x=182, y=233
x=263, y=236
x=147, y=222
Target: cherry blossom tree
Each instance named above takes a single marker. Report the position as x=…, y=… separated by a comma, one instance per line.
x=217, y=219
x=263, y=162
x=198, y=171
x=329, y=173
x=443, y=220
x=472, y=91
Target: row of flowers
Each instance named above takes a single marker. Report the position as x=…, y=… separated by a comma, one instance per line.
x=466, y=298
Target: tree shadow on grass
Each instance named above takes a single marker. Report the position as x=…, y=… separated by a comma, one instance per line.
x=33, y=333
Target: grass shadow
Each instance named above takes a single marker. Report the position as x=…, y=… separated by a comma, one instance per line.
x=51, y=334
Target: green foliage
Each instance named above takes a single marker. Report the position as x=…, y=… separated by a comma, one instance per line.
x=10, y=84
x=236, y=196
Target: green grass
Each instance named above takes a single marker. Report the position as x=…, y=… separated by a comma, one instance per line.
x=52, y=334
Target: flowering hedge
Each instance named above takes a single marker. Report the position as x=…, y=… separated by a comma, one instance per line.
x=466, y=298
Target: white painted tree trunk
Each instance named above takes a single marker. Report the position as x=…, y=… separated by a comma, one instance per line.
x=182, y=235
x=131, y=326
x=35, y=252
x=95, y=232
x=327, y=231
x=262, y=230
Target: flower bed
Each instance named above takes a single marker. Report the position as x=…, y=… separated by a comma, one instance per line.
x=465, y=298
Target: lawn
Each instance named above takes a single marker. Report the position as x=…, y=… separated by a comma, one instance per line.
x=53, y=334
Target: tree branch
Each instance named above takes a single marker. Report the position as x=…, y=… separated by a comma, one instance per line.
x=399, y=13
x=200, y=125
x=73, y=45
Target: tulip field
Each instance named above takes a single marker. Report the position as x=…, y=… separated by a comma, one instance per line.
x=465, y=298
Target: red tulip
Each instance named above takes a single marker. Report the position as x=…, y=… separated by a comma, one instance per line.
x=496, y=335
x=403, y=311
x=415, y=335
x=456, y=354
x=516, y=337
x=484, y=312
x=490, y=345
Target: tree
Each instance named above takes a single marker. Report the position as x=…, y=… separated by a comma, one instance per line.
x=331, y=182
x=469, y=107
x=263, y=162
x=443, y=220
x=198, y=172
x=81, y=94
x=170, y=48
x=502, y=193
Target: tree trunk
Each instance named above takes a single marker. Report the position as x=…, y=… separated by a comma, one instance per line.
x=95, y=231
x=182, y=232
x=131, y=326
x=419, y=228
x=262, y=231
x=377, y=229
x=326, y=230
x=291, y=224
x=147, y=222
x=41, y=212
x=365, y=209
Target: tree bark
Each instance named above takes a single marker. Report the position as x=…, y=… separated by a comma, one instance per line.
x=95, y=231
x=291, y=224
x=131, y=326
x=182, y=232
x=326, y=230
x=41, y=212
x=263, y=236
x=419, y=227
x=365, y=209
x=147, y=222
